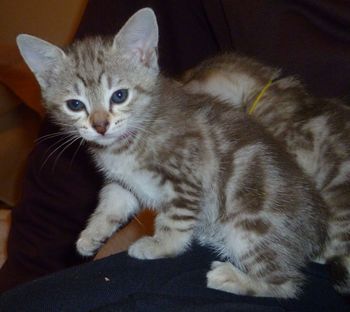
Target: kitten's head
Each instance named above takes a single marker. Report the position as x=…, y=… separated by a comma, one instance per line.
x=97, y=87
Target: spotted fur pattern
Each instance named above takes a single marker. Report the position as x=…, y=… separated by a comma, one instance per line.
x=315, y=131
x=212, y=174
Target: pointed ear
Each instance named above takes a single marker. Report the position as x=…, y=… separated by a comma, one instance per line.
x=43, y=58
x=139, y=38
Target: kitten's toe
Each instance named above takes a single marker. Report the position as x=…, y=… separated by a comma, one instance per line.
x=222, y=277
x=146, y=248
x=226, y=277
x=87, y=247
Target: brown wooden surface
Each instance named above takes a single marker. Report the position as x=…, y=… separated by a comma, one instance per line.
x=140, y=226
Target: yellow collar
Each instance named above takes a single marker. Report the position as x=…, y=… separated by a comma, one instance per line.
x=258, y=98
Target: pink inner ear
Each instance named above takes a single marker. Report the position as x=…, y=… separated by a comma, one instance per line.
x=144, y=55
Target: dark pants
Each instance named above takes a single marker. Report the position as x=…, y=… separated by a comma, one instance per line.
x=121, y=283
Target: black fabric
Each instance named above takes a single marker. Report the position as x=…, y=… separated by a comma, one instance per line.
x=186, y=34
x=121, y=283
x=306, y=37
x=59, y=194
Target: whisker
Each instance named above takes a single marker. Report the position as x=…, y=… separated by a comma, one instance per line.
x=57, y=143
x=76, y=152
x=52, y=135
x=62, y=124
x=56, y=149
x=65, y=148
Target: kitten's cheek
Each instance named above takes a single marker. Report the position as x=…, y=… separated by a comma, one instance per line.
x=83, y=134
x=87, y=136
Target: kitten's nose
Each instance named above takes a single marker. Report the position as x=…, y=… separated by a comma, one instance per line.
x=101, y=126
x=100, y=121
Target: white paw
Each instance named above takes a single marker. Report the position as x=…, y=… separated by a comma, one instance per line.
x=222, y=276
x=147, y=248
x=87, y=246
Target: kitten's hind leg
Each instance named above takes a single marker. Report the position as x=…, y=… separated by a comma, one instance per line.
x=226, y=277
x=115, y=206
x=263, y=269
x=337, y=250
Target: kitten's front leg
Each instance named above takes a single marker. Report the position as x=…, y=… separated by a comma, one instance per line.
x=115, y=206
x=173, y=233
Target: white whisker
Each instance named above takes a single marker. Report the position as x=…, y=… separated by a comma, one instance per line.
x=57, y=142
x=52, y=135
x=65, y=148
x=57, y=148
x=76, y=152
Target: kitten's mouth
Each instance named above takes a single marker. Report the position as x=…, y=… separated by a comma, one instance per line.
x=109, y=139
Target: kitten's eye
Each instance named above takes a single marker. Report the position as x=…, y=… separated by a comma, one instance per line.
x=119, y=96
x=75, y=105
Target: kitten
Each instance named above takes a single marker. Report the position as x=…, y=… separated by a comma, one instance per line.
x=211, y=173
x=315, y=131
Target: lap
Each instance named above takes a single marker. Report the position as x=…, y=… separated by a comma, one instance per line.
x=121, y=283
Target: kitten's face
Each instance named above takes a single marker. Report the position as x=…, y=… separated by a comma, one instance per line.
x=99, y=89
x=99, y=93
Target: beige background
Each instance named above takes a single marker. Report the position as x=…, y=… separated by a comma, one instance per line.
x=54, y=20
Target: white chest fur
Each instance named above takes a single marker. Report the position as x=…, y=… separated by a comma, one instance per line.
x=145, y=184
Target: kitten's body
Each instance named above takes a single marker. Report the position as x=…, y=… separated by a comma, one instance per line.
x=211, y=173
x=315, y=131
x=215, y=176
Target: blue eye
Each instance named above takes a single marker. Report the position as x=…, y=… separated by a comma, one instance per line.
x=119, y=96
x=75, y=105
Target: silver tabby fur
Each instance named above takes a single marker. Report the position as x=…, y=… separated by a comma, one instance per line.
x=315, y=131
x=212, y=174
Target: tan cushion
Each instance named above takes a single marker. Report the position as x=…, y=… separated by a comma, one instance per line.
x=17, y=77
x=18, y=130
x=8, y=100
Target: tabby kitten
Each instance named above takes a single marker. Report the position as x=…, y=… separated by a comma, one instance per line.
x=211, y=173
x=315, y=131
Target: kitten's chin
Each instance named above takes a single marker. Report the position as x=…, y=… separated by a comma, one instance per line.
x=104, y=141
x=108, y=140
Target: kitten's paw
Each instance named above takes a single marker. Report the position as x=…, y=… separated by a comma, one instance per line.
x=223, y=276
x=226, y=277
x=147, y=248
x=86, y=246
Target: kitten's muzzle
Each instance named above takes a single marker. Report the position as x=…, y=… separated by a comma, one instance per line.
x=100, y=121
x=101, y=126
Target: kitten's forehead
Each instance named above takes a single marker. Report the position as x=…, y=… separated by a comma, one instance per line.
x=93, y=62
x=94, y=67
x=90, y=58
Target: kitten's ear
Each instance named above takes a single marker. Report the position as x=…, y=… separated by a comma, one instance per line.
x=43, y=58
x=139, y=38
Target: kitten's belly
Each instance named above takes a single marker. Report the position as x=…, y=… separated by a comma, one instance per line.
x=145, y=184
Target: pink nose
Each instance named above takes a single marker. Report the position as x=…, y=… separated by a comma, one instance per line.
x=101, y=126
